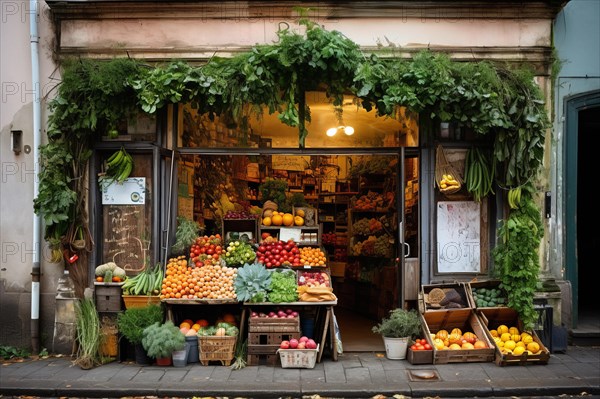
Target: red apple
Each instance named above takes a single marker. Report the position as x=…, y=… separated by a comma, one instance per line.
x=301, y=345
x=303, y=339
x=284, y=345
x=293, y=343
x=311, y=344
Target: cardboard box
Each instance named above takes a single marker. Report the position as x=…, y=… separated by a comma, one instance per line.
x=466, y=320
x=491, y=318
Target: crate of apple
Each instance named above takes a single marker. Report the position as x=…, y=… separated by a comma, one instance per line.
x=277, y=253
x=301, y=343
x=314, y=279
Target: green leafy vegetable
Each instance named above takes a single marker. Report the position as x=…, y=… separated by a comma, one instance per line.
x=283, y=286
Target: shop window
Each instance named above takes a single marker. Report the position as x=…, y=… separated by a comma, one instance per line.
x=348, y=126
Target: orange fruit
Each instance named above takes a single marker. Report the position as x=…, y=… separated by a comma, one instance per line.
x=288, y=219
x=298, y=221
x=454, y=347
x=196, y=327
x=467, y=345
x=533, y=347
x=277, y=220
x=185, y=324
x=267, y=221
x=479, y=345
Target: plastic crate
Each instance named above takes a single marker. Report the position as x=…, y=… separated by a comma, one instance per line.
x=298, y=358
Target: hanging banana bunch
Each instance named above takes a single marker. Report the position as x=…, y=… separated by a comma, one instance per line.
x=479, y=174
x=118, y=167
x=514, y=197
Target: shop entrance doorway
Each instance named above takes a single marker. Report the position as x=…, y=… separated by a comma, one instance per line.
x=366, y=209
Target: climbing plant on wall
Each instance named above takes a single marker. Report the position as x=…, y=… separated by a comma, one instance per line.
x=95, y=95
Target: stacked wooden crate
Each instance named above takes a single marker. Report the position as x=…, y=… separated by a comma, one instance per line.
x=265, y=335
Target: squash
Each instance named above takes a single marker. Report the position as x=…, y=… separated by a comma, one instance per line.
x=221, y=332
x=102, y=269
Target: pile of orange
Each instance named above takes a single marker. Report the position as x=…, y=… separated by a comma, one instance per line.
x=207, y=282
x=312, y=256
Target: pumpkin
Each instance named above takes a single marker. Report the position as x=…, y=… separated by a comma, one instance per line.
x=470, y=337
x=456, y=331
x=455, y=338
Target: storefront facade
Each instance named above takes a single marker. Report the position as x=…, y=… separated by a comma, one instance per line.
x=155, y=32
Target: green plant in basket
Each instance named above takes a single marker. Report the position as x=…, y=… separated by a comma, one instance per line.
x=133, y=321
x=160, y=340
x=400, y=323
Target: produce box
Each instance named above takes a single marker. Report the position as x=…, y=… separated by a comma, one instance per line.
x=140, y=301
x=467, y=321
x=419, y=356
x=441, y=297
x=338, y=269
x=298, y=358
x=108, y=297
x=268, y=324
x=216, y=348
x=492, y=318
x=486, y=294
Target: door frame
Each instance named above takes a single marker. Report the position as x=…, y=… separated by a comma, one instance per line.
x=573, y=105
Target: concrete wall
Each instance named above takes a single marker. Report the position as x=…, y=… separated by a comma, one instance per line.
x=17, y=176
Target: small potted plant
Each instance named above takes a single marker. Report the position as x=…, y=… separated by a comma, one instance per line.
x=132, y=323
x=397, y=330
x=161, y=340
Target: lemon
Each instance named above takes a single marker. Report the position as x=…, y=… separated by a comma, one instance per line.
x=510, y=344
x=533, y=347
x=505, y=337
x=526, y=338
x=518, y=351
x=493, y=333
x=514, y=331
x=502, y=329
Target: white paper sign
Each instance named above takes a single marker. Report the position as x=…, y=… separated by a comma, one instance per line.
x=458, y=235
x=131, y=192
x=288, y=233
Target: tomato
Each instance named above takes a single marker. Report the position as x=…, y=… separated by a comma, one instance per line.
x=413, y=347
x=427, y=347
x=420, y=347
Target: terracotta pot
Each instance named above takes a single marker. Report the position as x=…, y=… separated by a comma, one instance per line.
x=163, y=361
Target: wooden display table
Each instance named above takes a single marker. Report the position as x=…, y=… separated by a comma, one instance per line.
x=324, y=321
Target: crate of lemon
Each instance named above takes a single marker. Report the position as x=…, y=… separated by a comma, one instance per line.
x=513, y=345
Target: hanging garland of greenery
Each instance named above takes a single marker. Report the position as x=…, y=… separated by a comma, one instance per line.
x=94, y=96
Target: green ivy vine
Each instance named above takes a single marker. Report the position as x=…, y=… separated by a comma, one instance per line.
x=94, y=96
x=516, y=256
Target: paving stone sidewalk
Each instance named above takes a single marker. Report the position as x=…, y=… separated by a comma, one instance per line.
x=354, y=375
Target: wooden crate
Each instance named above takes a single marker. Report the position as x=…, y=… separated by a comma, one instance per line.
x=262, y=347
x=216, y=348
x=466, y=320
x=273, y=325
x=108, y=297
x=427, y=305
x=419, y=357
x=491, y=318
x=474, y=285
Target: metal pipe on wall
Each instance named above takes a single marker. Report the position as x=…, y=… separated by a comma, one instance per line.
x=37, y=117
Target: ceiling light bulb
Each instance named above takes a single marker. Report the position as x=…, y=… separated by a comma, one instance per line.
x=331, y=131
x=349, y=130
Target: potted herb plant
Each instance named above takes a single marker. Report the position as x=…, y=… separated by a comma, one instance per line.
x=132, y=323
x=397, y=330
x=161, y=340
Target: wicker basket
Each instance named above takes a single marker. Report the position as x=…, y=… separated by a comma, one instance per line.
x=220, y=349
x=444, y=168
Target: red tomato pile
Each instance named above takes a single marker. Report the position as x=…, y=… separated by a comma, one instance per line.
x=420, y=344
x=206, y=250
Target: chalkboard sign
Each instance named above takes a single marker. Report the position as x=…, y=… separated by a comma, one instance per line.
x=124, y=225
x=458, y=237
